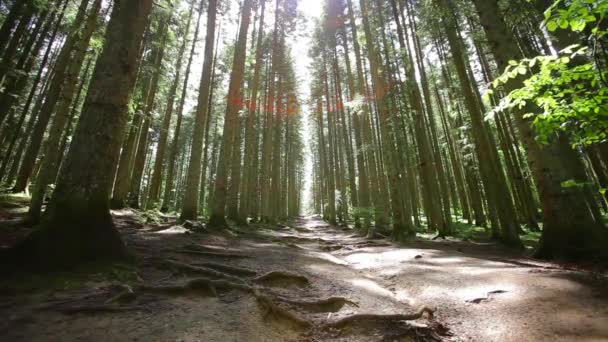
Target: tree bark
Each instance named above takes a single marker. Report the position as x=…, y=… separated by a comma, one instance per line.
x=51, y=99
x=77, y=225
x=190, y=203
x=49, y=163
x=156, y=182
x=569, y=229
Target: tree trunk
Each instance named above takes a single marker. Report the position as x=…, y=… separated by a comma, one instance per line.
x=190, y=202
x=144, y=132
x=51, y=99
x=156, y=182
x=77, y=225
x=569, y=229
x=250, y=131
x=174, y=149
x=231, y=120
x=49, y=163
x=493, y=178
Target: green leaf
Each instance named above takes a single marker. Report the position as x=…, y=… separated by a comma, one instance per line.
x=571, y=183
x=522, y=70
x=578, y=25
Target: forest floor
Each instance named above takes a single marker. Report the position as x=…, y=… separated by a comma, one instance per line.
x=297, y=282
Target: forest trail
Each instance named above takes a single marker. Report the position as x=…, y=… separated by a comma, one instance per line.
x=328, y=272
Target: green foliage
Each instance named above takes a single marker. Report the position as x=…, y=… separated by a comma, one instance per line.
x=469, y=232
x=577, y=16
x=150, y=217
x=363, y=211
x=530, y=239
x=570, y=88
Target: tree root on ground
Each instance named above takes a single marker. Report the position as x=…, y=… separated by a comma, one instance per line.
x=209, y=254
x=300, y=239
x=270, y=307
x=293, y=245
x=209, y=248
x=125, y=295
x=358, y=319
x=282, y=279
x=372, y=243
x=273, y=306
x=487, y=298
x=303, y=230
x=209, y=287
x=201, y=286
x=180, y=266
x=239, y=271
x=331, y=304
x=330, y=248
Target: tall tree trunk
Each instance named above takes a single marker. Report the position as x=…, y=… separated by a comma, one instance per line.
x=499, y=197
x=77, y=225
x=49, y=164
x=51, y=99
x=358, y=150
x=230, y=135
x=156, y=182
x=144, y=132
x=569, y=229
x=15, y=84
x=7, y=99
x=379, y=201
x=207, y=148
x=12, y=19
x=250, y=132
x=174, y=149
x=190, y=203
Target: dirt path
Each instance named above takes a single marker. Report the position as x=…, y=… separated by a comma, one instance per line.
x=326, y=274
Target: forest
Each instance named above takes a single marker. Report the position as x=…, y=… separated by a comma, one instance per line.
x=304, y=170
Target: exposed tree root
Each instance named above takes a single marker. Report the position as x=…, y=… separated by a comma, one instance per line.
x=126, y=295
x=331, y=304
x=487, y=298
x=331, y=248
x=239, y=271
x=209, y=254
x=362, y=318
x=176, y=265
x=204, y=286
x=196, y=287
x=371, y=243
x=201, y=286
x=293, y=245
x=270, y=307
x=299, y=239
x=208, y=248
x=282, y=279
